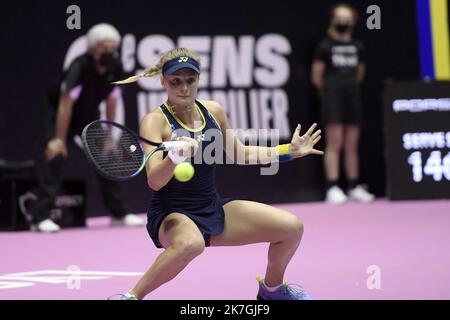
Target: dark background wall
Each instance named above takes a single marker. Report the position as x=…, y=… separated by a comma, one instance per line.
x=34, y=40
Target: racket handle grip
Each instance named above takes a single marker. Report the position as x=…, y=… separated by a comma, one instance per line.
x=173, y=145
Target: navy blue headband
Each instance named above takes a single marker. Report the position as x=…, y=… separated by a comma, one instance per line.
x=171, y=66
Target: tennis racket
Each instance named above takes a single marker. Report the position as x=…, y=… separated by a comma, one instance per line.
x=115, y=151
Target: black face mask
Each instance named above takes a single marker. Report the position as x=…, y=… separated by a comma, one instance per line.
x=342, y=28
x=107, y=60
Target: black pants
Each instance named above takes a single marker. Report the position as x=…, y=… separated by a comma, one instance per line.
x=341, y=102
x=50, y=174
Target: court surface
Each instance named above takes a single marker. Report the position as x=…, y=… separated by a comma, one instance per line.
x=383, y=250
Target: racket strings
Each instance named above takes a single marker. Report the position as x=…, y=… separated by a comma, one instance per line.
x=115, y=152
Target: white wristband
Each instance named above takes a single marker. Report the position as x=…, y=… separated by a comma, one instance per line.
x=175, y=157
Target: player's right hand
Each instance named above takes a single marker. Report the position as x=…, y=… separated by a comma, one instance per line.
x=190, y=147
x=54, y=148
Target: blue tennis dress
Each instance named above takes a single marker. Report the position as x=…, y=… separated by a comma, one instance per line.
x=197, y=198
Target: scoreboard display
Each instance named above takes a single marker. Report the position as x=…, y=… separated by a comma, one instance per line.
x=417, y=139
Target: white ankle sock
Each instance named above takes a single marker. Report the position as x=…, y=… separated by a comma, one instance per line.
x=271, y=289
x=130, y=295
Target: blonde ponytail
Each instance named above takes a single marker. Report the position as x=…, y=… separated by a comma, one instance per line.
x=130, y=79
x=157, y=69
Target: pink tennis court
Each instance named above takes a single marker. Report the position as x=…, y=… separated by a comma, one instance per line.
x=382, y=250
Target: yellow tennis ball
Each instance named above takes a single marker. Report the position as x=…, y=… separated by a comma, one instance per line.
x=183, y=172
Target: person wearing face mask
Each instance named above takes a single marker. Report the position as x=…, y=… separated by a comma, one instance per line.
x=69, y=105
x=337, y=71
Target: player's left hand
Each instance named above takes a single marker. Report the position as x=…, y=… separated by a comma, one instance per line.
x=304, y=145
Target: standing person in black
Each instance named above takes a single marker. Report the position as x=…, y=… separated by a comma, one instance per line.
x=69, y=106
x=337, y=71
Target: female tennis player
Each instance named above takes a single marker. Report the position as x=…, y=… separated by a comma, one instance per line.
x=184, y=218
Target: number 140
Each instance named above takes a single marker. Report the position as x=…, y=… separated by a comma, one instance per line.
x=435, y=166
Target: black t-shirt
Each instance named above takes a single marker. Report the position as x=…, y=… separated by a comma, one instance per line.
x=92, y=88
x=340, y=58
